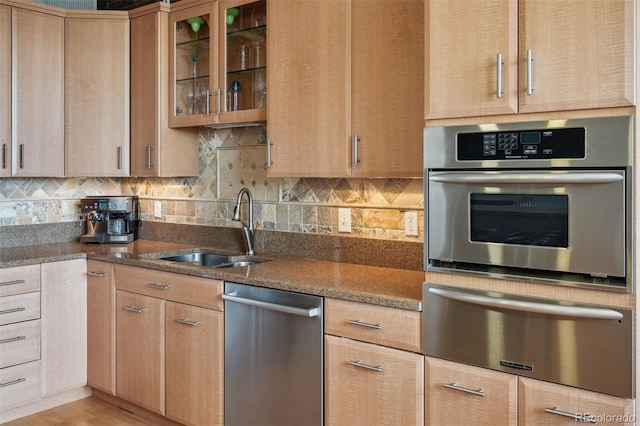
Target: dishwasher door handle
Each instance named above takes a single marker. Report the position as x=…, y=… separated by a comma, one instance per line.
x=303, y=312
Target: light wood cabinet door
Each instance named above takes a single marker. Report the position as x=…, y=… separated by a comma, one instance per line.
x=463, y=40
x=194, y=364
x=37, y=72
x=140, y=350
x=101, y=326
x=583, y=54
x=156, y=150
x=97, y=95
x=385, y=386
x=309, y=112
x=387, y=83
x=64, y=325
x=543, y=403
x=462, y=394
x=5, y=91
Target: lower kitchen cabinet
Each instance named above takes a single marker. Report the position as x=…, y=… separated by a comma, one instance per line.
x=169, y=340
x=462, y=394
x=140, y=350
x=194, y=359
x=370, y=377
x=101, y=326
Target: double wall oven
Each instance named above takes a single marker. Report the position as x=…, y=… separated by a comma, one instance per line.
x=540, y=200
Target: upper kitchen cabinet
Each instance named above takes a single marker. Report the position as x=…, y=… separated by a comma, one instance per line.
x=217, y=64
x=243, y=61
x=156, y=149
x=97, y=93
x=5, y=91
x=509, y=56
x=347, y=97
x=37, y=92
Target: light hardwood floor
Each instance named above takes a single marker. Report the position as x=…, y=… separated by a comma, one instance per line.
x=87, y=411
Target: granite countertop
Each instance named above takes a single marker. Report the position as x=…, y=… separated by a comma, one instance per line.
x=391, y=287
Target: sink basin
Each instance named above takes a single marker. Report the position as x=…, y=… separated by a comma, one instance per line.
x=202, y=259
x=212, y=259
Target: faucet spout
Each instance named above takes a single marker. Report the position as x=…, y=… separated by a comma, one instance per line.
x=248, y=232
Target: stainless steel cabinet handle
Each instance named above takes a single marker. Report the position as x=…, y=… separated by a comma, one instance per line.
x=187, y=322
x=208, y=101
x=13, y=310
x=159, y=286
x=269, y=162
x=303, y=312
x=519, y=305
x=135, y=309
x=499, y=64
x=548, y=178
x=4, y=155
x=366, y=324
x=219, y=101
x=119, y=157
x=356, y=146
x=21, y=155
x=12, y=282
x=149, y=162
x=455, y=386
x=13, y=382
x=585, y=418
x=529, y=72
x=13, y=339
x=360, y=364
x=97, y=274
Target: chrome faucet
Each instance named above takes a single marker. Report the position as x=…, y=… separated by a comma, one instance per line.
x=247, y=233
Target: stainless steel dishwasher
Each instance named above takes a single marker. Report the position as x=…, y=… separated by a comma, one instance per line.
x=273, y=357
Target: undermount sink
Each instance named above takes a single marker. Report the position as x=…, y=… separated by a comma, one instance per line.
x=212, y=259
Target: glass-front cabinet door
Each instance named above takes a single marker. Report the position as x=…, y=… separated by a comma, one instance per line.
x=193, y=53
x=243, y=61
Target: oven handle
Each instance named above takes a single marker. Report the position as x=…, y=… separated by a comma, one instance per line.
x=534, y=307
x=554, y=178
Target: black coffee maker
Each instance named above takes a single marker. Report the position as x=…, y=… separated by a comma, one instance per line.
x=110, y=220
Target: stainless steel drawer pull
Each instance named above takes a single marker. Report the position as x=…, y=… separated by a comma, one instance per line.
x=13, y=310
x=159, y=286
x=13, y=382
x=366, y=324
x=529, y=72
x=12, y=282
x=499, y=64
x=134, y=309
x=97, y=274
x=187, y=322
x=311, y=312
x=584, y=418
x=455, y=386
x=360, y=364
x=13, y=339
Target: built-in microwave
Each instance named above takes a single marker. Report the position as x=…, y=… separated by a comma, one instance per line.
x=543, y=200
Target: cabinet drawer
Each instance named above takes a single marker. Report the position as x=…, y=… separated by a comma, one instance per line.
x=22, y=279
x=393, y=327
x=203, y=292
x=20, y=307
x=19, y=343
x=543, y=403
x=367, y=384
x=463, y=394
x=20, y=385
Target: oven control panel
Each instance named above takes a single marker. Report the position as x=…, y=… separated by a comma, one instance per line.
x=522, y=144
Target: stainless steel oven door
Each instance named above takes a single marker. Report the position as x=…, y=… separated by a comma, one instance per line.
x=566, y=221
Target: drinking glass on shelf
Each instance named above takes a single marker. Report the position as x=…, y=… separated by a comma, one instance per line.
x=188, y=96
x=259, y=88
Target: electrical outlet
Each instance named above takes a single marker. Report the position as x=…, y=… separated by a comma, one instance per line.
x=411, y=224
x=157, y=207
x=344, y=220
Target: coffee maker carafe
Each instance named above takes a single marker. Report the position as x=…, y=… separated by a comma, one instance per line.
x=110, y=220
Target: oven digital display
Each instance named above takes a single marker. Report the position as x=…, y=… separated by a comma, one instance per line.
x=527, y=138
x=531, y=220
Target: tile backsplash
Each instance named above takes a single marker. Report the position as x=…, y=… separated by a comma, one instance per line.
x=229, y=160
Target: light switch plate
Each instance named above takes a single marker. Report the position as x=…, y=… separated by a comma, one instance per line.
x=157, y=209
x=344, y=220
